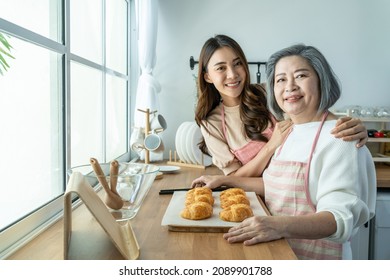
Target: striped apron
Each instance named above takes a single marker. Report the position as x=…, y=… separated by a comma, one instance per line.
x=287, y=193
x=249, y=150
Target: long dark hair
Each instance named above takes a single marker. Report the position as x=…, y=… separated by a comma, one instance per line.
x=253, y=103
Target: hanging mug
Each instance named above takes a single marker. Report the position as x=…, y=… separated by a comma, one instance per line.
x=158, y=124
x=153, y=143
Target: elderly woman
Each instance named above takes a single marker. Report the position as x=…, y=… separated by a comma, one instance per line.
x=319, y=189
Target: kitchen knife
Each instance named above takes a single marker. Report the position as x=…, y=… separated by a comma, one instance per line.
x=171, y=191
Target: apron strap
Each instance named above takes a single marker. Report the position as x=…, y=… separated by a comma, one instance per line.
x=324, y=116
x=224, y=127
x=223, y=120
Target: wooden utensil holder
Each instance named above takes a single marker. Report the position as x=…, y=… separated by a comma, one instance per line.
x=147, y=130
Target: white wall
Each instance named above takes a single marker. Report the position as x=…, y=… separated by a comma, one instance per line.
x=352, y=34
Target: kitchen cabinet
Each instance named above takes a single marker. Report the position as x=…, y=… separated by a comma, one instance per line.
x=360, y=243
x=381, y=227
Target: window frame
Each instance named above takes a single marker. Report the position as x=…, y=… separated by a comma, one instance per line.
x=32, y=224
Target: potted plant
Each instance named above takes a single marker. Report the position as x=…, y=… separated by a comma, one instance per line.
x=5, y=49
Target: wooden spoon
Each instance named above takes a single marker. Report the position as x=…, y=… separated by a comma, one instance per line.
x=114, y=168
x=113, y=200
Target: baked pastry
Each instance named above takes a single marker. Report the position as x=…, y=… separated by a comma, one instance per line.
x=234, y=199
x=197, y=211
x=198, y=204
x=199, y=190
x=231, y=191
x=233, y=196
x=236, y=213
x=191, y=198
x=235, y=205
x=199, y=194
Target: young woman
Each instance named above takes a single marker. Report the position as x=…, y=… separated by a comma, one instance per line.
x=239, y=132
x=319, y=189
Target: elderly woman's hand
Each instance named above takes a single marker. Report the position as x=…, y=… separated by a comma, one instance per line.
x=254, y=230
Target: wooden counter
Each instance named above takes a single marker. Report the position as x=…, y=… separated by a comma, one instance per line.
x=89, y=241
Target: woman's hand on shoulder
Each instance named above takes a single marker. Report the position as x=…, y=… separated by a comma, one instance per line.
x=351, y=129
x=210, y=181
x=281, y=130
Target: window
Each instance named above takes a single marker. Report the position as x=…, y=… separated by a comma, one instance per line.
x=63, y=99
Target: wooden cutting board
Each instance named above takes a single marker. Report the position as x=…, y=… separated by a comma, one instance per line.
x=174, y=222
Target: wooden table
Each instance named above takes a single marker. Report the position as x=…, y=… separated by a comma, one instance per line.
x=89, y=241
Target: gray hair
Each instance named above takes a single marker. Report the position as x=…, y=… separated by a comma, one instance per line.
x=330, y=89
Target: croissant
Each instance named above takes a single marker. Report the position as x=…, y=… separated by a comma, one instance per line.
x=191, y=198
x=234, y=199
x=197, y=211
x=236, y=213
x=232, y=191
x=200, y=190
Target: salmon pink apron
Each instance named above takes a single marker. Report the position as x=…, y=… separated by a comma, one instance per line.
x=287, y=193
x=249, y=150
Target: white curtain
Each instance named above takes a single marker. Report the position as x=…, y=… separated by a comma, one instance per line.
x=148, y=86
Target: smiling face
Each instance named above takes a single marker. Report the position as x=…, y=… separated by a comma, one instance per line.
x=297, y=89
x=226, y=71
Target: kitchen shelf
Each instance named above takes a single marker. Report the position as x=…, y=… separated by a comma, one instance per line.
x=376, y=120
x=382, y=144
x=381, y=159
x=379, y=140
